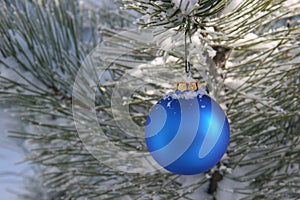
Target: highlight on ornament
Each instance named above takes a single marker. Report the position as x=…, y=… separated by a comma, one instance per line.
x=187, y=132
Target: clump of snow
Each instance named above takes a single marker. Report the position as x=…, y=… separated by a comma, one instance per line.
x=231, y=6
x=211, y=52
x=187, y=94
x=186, y=6
x=169, y=104
x=293, y=4
x=235, y=83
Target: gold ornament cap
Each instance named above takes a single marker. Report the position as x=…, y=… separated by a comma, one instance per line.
x=187, y=85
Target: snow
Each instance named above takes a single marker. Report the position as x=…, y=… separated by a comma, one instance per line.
x=96, y=4
x=232, y=6
x=169, y=104
x=292, y=4
x=10, y=155
x=227, y=186
x=263, y=43
x=186, y=6
x=186, y=95
x=211, y=53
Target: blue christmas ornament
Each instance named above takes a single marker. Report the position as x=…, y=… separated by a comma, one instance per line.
x=187, y=132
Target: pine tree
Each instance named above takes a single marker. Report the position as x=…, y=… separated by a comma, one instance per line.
x=246, y=51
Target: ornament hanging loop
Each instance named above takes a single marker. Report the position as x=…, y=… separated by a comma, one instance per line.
x=187, y=34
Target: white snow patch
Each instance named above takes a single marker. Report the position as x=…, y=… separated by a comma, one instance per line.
x=169, y=104
x=262, y=42
x=235, y=83
x=211, y=53
x=186, y=95
x=186, y=6
x=232, y=6
x=291, y=4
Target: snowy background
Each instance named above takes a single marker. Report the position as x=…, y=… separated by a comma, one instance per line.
x=11, y=154
x=12, y=168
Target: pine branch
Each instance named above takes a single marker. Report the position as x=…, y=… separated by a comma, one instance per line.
x=258, y=80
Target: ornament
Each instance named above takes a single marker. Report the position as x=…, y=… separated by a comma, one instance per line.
x=187, y=132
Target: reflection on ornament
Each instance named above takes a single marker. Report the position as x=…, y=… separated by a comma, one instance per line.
x=187, y=132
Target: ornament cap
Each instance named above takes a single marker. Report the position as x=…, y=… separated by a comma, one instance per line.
x=186, y=85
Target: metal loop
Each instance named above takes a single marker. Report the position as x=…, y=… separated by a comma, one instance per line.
x=186, y=60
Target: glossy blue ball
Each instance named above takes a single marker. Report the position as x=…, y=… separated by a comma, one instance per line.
x=187, y=132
